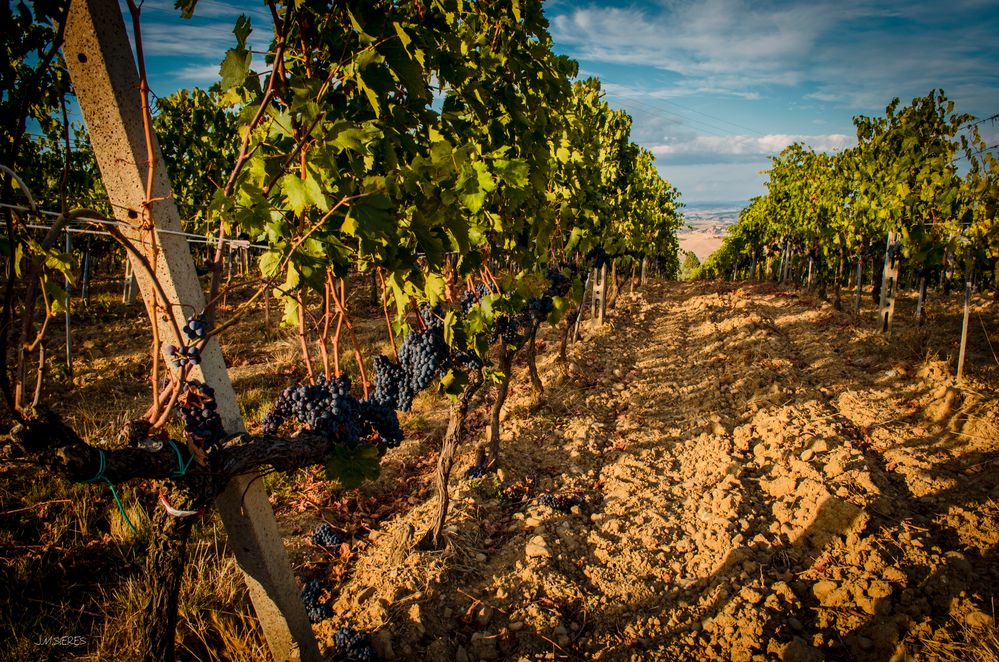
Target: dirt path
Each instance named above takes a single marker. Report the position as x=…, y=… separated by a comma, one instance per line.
x=759, y=477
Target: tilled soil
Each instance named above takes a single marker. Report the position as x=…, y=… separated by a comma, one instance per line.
x=755, y=476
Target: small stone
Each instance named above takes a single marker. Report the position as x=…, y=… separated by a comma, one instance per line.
x=480, y=557
x=516, y=626
x=807, y=454
x=823, y=588
x=537, y=548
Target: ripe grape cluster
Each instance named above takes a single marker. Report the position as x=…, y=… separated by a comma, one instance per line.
x=476, y=471
x=325, y=536
x=424, y=354
x=560, y=502
x=538, y=309
x=325, y=407
x=558, y=283
x=598, y=257
x=507, y=328
x=381, y=420
x=423, y=357
x=392, y=385
x=351, y=644
x=198, y=409
x=184, y=355
x=328, y=408
x=196, y=327
x=316, y=611
x=473, y=296
x=894, y=251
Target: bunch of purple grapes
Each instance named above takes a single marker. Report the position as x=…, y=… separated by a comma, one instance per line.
x=316, y=611
x=598, y=257
x=196, y=327
x=473, y=296
x=538, y=308
x=184, y=355
x=391, y=385
x=424, y=355
x=198, y=409
x=507, y=328
x=560, y=502
x=558, y=283
x=380, y=420
x=476, y=471
x=351, y=644
x=325, y=536
x=326, y=407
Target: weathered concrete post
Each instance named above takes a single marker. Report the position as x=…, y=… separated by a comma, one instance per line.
x=103, y=70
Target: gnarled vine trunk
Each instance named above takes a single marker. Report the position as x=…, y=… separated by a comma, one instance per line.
x=165, y=561
x=537, y=387
x=452, y=437
x=502, y=389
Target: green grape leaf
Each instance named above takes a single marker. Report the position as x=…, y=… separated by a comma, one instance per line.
x=186, y=7
x=453, y=382
x=235, y=67
x=242, y=30
x=351, y=467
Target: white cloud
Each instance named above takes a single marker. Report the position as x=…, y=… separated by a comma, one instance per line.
x=852, y=53
x=751, y=145
x=207, y=35
x=202, y=75
x=724, y=45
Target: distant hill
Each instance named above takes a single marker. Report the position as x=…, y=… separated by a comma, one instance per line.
x=705, y=225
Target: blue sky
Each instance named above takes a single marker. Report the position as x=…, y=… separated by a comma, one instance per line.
x=714, y=86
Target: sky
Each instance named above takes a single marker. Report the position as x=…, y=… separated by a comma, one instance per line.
x=714, y=87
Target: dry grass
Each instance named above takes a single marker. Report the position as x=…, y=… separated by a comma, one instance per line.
x=972, y=643
x=215, y=621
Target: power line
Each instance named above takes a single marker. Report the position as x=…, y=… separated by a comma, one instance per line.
x=712, y=125
x=720, y=119
x=978, y=152
x=993, y=118
x=659, y=112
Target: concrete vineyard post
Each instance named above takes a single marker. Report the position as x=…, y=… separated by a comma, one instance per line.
x=85, y=285
x=920, y=314
x=603, y=295
x=889, y=282
x=579, y=311
x=102, y=68
x=860, y=283
x=68, y=316
x=597, y=288
x=964, y=325
x=128, y=284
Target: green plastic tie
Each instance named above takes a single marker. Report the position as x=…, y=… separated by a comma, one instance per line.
x=99, y=476
x=181, y=467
